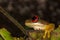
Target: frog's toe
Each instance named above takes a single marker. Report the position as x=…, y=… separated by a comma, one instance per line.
x=48, y=36
x=44, y=36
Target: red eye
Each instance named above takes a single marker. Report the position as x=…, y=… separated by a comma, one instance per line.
x=35, y=19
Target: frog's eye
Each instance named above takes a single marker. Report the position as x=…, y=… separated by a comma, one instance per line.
x=35, y=19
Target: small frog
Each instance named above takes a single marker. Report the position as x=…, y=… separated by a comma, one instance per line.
x=37, y=24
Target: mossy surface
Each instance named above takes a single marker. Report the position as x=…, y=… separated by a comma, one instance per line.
x=56, y=34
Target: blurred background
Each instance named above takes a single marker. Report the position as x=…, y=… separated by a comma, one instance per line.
x=21, y=10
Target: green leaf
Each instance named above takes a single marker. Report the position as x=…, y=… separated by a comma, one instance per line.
x=5, y=34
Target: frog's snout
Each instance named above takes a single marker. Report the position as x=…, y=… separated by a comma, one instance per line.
x=28, y=23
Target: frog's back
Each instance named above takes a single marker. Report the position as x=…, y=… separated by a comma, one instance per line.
x=50, y=26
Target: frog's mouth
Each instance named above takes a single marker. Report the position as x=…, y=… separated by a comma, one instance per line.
x=34, y=24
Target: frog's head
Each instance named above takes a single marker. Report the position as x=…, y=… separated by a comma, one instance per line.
x=30, y=22
x=35, y=22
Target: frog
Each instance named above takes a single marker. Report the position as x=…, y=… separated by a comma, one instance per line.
x=39, y=24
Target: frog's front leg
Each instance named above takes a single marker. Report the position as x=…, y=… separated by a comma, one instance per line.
x=49, y=34
x=44, y=36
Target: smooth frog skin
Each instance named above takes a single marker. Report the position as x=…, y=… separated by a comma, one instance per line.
x=41, y=25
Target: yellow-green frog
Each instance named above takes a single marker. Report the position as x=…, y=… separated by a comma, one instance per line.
x=37, y=24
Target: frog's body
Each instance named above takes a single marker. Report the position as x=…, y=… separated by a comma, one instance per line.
x=41, y=25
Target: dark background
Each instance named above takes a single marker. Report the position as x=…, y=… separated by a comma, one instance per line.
x=21, y=10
